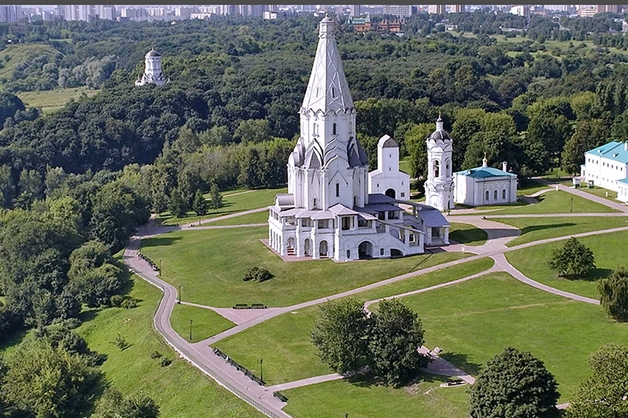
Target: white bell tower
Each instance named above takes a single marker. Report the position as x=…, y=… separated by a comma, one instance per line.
x=439, y=187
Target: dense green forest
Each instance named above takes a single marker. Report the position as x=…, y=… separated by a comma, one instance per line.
x=75, y=183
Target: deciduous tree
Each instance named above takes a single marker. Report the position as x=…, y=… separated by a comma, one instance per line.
x=514, y=384
x=572, y=260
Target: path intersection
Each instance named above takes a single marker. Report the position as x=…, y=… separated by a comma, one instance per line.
x=202, y=356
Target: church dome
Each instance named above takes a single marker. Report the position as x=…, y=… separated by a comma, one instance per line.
x=439, y=134
x=152, y=54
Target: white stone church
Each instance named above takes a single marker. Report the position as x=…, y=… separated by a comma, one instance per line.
x=152, y=70
x=334, y=208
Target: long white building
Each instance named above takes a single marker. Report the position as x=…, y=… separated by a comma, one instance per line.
x=607, y=166
x=328, y=211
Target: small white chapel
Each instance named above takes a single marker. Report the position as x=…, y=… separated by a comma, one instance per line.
x=485, y=185
x=152, y=70
x=334, y=208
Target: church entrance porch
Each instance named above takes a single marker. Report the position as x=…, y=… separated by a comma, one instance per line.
x=291, y=246
x=365, y=250
x=307, y=248
x=391, y=193
x=323, y=249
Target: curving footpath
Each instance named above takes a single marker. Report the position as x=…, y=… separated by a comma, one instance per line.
x=203, y=357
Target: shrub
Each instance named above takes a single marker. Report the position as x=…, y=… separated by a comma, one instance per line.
x=116, y=300
x=121, y=343
x=165, y=362
x=129, y=303
x=258, y=274
x=155, y=354
x=572, y=260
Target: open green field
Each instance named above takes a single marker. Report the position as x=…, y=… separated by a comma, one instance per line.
x=210, y=265
x=534, y=229
x=609, y=251
x=180, y=389
x=14, y=55
x=52, y=100
x=467, y=234
x=205, y=322
x=284, y=341
x=475, y=320
x=424, y=399
x=550, y=202
x=251, y=218
x=238, y=201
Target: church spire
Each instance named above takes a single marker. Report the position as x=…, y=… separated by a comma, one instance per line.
x=327, y=89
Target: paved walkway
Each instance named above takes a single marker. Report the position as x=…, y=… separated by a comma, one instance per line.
x=223, y=217
x=306, y=382
x=601, y=200
x=203, y=357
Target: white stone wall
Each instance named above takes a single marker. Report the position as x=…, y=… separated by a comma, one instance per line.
x=604, y=172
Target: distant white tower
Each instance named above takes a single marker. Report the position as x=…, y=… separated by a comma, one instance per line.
x=439, y=187
x=152, y=70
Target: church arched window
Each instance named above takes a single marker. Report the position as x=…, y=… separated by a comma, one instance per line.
x=333, y=129
x=333, y=92
x=503, y=193
x=495, y=195
x=487, y=195
x=315, y=128
x=447, y=168
x=436, y=169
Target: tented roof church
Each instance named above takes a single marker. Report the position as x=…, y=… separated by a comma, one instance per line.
x=328, y=210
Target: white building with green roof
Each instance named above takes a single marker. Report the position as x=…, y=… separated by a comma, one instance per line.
x=485, y=186
x=606, y=166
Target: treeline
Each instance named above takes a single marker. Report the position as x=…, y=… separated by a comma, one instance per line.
x=52, y=373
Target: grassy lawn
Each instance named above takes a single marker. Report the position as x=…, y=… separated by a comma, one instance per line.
x=52, y=100
x=251, y=218
x=475, y=320
x=205, y=322
x=532, y=187
x=467, y=234
x=180, y=389
x=237, y=202
x=534, y=229
x=404, y=165
x=608, y=249
x=361, y=400
x=599, y=191
x=210, y=265
x=550, y=202
x=284, y=341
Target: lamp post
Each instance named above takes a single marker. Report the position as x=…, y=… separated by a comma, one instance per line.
x=571, y=204
x=261, y=370
x=191, y=320
x=179, y=295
